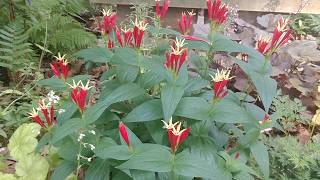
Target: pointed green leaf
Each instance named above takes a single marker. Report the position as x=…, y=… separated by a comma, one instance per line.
x=147, y=111
x=63, y=170
x=98, y=170
x=170, y=97
x=69, y=127
x=96, y=55
x=260, y=153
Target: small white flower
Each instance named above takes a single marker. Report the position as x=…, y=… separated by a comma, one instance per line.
x=92, y=132
x=89, y=159
x=52, y=98
x=92, y=147
x=60, y=111
x=81, y=135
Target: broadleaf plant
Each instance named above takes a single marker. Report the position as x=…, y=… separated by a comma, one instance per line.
x=151, y=116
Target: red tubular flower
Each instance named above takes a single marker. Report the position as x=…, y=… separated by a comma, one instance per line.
x=138, y=32
x=49, y=117
x=221, y=79
x=185, y=24
x=60, y=67
x=45, y=111
x=109, y=21
x=177, y=57
x=161, y=13
x=110, y=43
x=36, y=118
x=281, y=34
x=124, y=133
x=124, y=39
x=194, y=38
x=175, y=135
x=55, y=69
x=217, y=12
x=79, y=94
x=263, y=45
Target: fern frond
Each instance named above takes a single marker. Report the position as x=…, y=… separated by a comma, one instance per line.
x=15, y=51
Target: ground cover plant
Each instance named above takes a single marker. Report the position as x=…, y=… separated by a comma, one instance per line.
x=159, y=111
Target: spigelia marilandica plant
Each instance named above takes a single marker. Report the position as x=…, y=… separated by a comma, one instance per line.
x=144, y=89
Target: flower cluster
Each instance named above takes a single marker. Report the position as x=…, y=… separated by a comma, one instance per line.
x=281, y=35
x=109, y=21
x=108, y=24
x=177, y=57
x=47, y=111
x=79, y=94
x=217, y=12
x=138, y=32
x=124, y=37
x=161, y=13
x=60, y=67
x=220, y=80
x=185, y=24
x=176, y=135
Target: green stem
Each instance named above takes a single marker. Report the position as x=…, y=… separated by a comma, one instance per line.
x=44, y=46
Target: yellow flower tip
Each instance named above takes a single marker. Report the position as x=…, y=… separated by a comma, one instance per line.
x=142, y=25
x=266, y=39
x=221, y=75
x=169, y=125
x=178, y=49
x=42, y=104
x=125, y=30
x=191, y=13
x=107, y=13
x=86, y=87
x=33, y=113
x=59, y=57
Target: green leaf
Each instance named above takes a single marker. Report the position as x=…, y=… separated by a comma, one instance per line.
x=260, y=153
x=147, y=111
x=96, y=55
x=32, y=166
x=98, y=170
x=193, y=108
x=142, y=175
x=223, y=43
x=54, y=83
x=155, y=128
x=170, y=98
x=196, y=84
x=7, y=176
x=193, y=165
x=127, y=73
x=229, y=111
x=126, y=56
x=124, y=92
x=69, y=127
x=149, y=79
x=149, y=157
x=266, y=88
x=63, y=170
x=23, y=140
x=108, y=149
x=198, y=45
